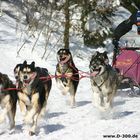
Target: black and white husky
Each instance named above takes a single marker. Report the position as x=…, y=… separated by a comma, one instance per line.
x=8, y=100
x=67, y=76
x=33, y=92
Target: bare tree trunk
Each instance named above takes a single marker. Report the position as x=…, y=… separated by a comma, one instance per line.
x=84, y=15
x=131, y=5
x=67, y=24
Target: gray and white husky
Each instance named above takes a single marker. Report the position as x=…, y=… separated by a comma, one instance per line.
x=104, y=81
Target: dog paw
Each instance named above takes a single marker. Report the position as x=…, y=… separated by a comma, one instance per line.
x=12, y=126
x=73, y=106
x=31, y=133
x=12, y=131
x=64, y=93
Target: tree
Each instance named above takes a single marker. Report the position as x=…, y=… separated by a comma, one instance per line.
x=67, y=24
x=96, y=21
x=130, y=5
x=56, y=19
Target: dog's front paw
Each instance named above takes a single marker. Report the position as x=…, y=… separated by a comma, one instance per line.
x=31, y=133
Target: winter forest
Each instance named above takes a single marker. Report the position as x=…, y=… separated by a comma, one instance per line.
x=34, y=30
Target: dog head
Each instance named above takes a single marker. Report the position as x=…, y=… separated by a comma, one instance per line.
x=98, y=63
x=4, y=81
x=17, y=69
x=104, y=57
x=27, y=72
x=64, y=55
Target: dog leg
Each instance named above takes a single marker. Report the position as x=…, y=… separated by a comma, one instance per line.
x=24, y=98
x=72, y=102
x=34, y=126
x=43, y=110
x=96, y=99
x=11, y=118
x=22, y=107
x=72, y=97
x=47, y=95
x=64, y=90
x=106, y=103
x=33, y=110
x=109, y=99
x=7, y=107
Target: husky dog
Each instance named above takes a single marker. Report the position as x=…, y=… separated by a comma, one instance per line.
x=8, y=100
x=104, y=81
x=67, y=76
x=33, y=93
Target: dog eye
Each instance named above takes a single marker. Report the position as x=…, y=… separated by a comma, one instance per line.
x=65, y=53
x=29, y=72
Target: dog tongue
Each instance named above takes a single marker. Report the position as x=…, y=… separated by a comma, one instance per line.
x=26, y=81
x=65, y=60
x=94, y=73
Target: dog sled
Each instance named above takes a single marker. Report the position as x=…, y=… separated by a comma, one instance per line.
x=127, y=61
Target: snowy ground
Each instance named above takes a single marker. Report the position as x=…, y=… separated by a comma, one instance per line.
x=83, y=122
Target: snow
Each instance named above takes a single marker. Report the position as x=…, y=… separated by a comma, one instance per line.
x=83, y=122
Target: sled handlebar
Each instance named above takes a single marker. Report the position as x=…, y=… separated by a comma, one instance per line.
x=130, y=48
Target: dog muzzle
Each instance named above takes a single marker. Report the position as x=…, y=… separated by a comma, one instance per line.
x=32, y=77
x=64, y=60
x=94, y=71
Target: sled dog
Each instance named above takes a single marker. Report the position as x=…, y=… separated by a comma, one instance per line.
x=67, y=76
x=33, y=93
x=104, y=81
x=8, y=100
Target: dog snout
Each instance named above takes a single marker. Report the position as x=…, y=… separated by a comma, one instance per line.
x=93, y=67
x=61, y=55
x=25, y=77
x=16, y=77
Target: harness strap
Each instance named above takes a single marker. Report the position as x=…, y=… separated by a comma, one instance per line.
x=8, y=89
x=99, y=86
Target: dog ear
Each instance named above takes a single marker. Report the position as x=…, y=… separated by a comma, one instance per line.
x=25, y=62
x=58, y=51
x=105, y=52
x=33, y=64
x=105, y=55
x=97, y=52
x=6, y=80
x=68, y=51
